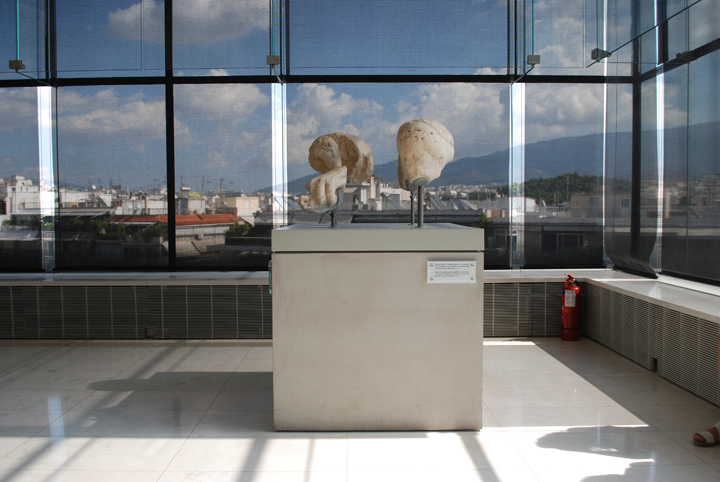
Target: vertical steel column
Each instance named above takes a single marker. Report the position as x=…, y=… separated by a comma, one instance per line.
x=170, y=136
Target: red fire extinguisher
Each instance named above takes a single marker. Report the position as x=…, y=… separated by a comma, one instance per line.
x=570, y=310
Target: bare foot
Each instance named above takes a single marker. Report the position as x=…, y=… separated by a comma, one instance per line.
x=708, y=438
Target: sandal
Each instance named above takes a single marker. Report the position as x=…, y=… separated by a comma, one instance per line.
x=706, y=438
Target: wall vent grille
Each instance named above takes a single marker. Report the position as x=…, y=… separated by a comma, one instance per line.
x=123, y=312
x=682, y=348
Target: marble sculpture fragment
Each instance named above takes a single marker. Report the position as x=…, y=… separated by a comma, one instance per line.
x=424, y=147
x=331, y=151
x=322, y=193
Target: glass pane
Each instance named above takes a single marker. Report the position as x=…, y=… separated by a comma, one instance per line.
x=223, y=176
x=691, y=230
x=112, y=177
x=110, y=38
x=466, y=193
x=674, y=239
x=231, y=35
x=20, y=248
x=398, y=37
x=26, y=44
x=618, y=169
x=625, y=20
x=562, y=38
x=563, y=192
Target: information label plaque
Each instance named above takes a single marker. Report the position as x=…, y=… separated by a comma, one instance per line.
x=451, y=272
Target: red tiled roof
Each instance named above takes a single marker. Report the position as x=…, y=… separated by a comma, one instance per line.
x=181, y=219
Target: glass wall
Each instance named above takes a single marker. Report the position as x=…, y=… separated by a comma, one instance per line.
x=575, y=157
x=20, y=213
x=563, y=190
x=223, y=172
x=112, y=209
x=401, y=37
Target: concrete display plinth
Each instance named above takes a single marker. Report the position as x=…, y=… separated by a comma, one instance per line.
x=363, y=341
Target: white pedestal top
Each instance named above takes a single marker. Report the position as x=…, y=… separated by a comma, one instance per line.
x=387, y=237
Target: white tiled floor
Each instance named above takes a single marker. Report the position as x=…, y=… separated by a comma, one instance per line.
x=202, y=411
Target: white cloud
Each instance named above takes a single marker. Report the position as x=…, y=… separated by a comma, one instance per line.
x=104, y=117
x=18, y=109
x=475, y=114
x=196, y=21
x=553, y=111
x=317, y=110
x=221, y=103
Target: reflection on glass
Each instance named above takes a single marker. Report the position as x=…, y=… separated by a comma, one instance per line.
x=20, y=209
x=112, y=177
x=223, y=166
x=110, y=38
x=398, y=37
x=563, y=190
x=220, y=37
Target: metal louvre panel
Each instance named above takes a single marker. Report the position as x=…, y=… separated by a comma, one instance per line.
x=18, y=311
x=225, y=312
x=123, y=313
x=6, y=314
x=250, y=312
x=142, y=309
x=154, y=310
x=75, y=315
x=642, y=333
x=539, y=327
x=603, y=332
x=50, y=312
x=708, y=380
x=616, y=316
x=199, y=306
x=589, y=320
x=525, y=309
x=30, y=310
x=627, y=326
x=488, y=310
x=99, y=304
x=553, y=309
x=506, y=309
x=266, y=299
x=677, y=332
x=655, y=342
x=175, y=319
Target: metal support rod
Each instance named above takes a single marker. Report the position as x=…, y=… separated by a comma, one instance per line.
x=412, y=207
x=421, y=206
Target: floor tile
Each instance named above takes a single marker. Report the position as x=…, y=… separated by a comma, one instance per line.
x=256, y=365
x=149, y=380
x=321, y=452
x=250, y=381
x=78, y=476
x=487, y=475
x=243, y=400
x=678, y=417
x=238, y=423
x=612, y=450
x=169, y=399
x=552, y=396
x=254, y=477
x=116, y=423
x=10, y=443
x=26, y=422
x=611, y=419
x=93, y=453
x=41, y=398
x=431, y=451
